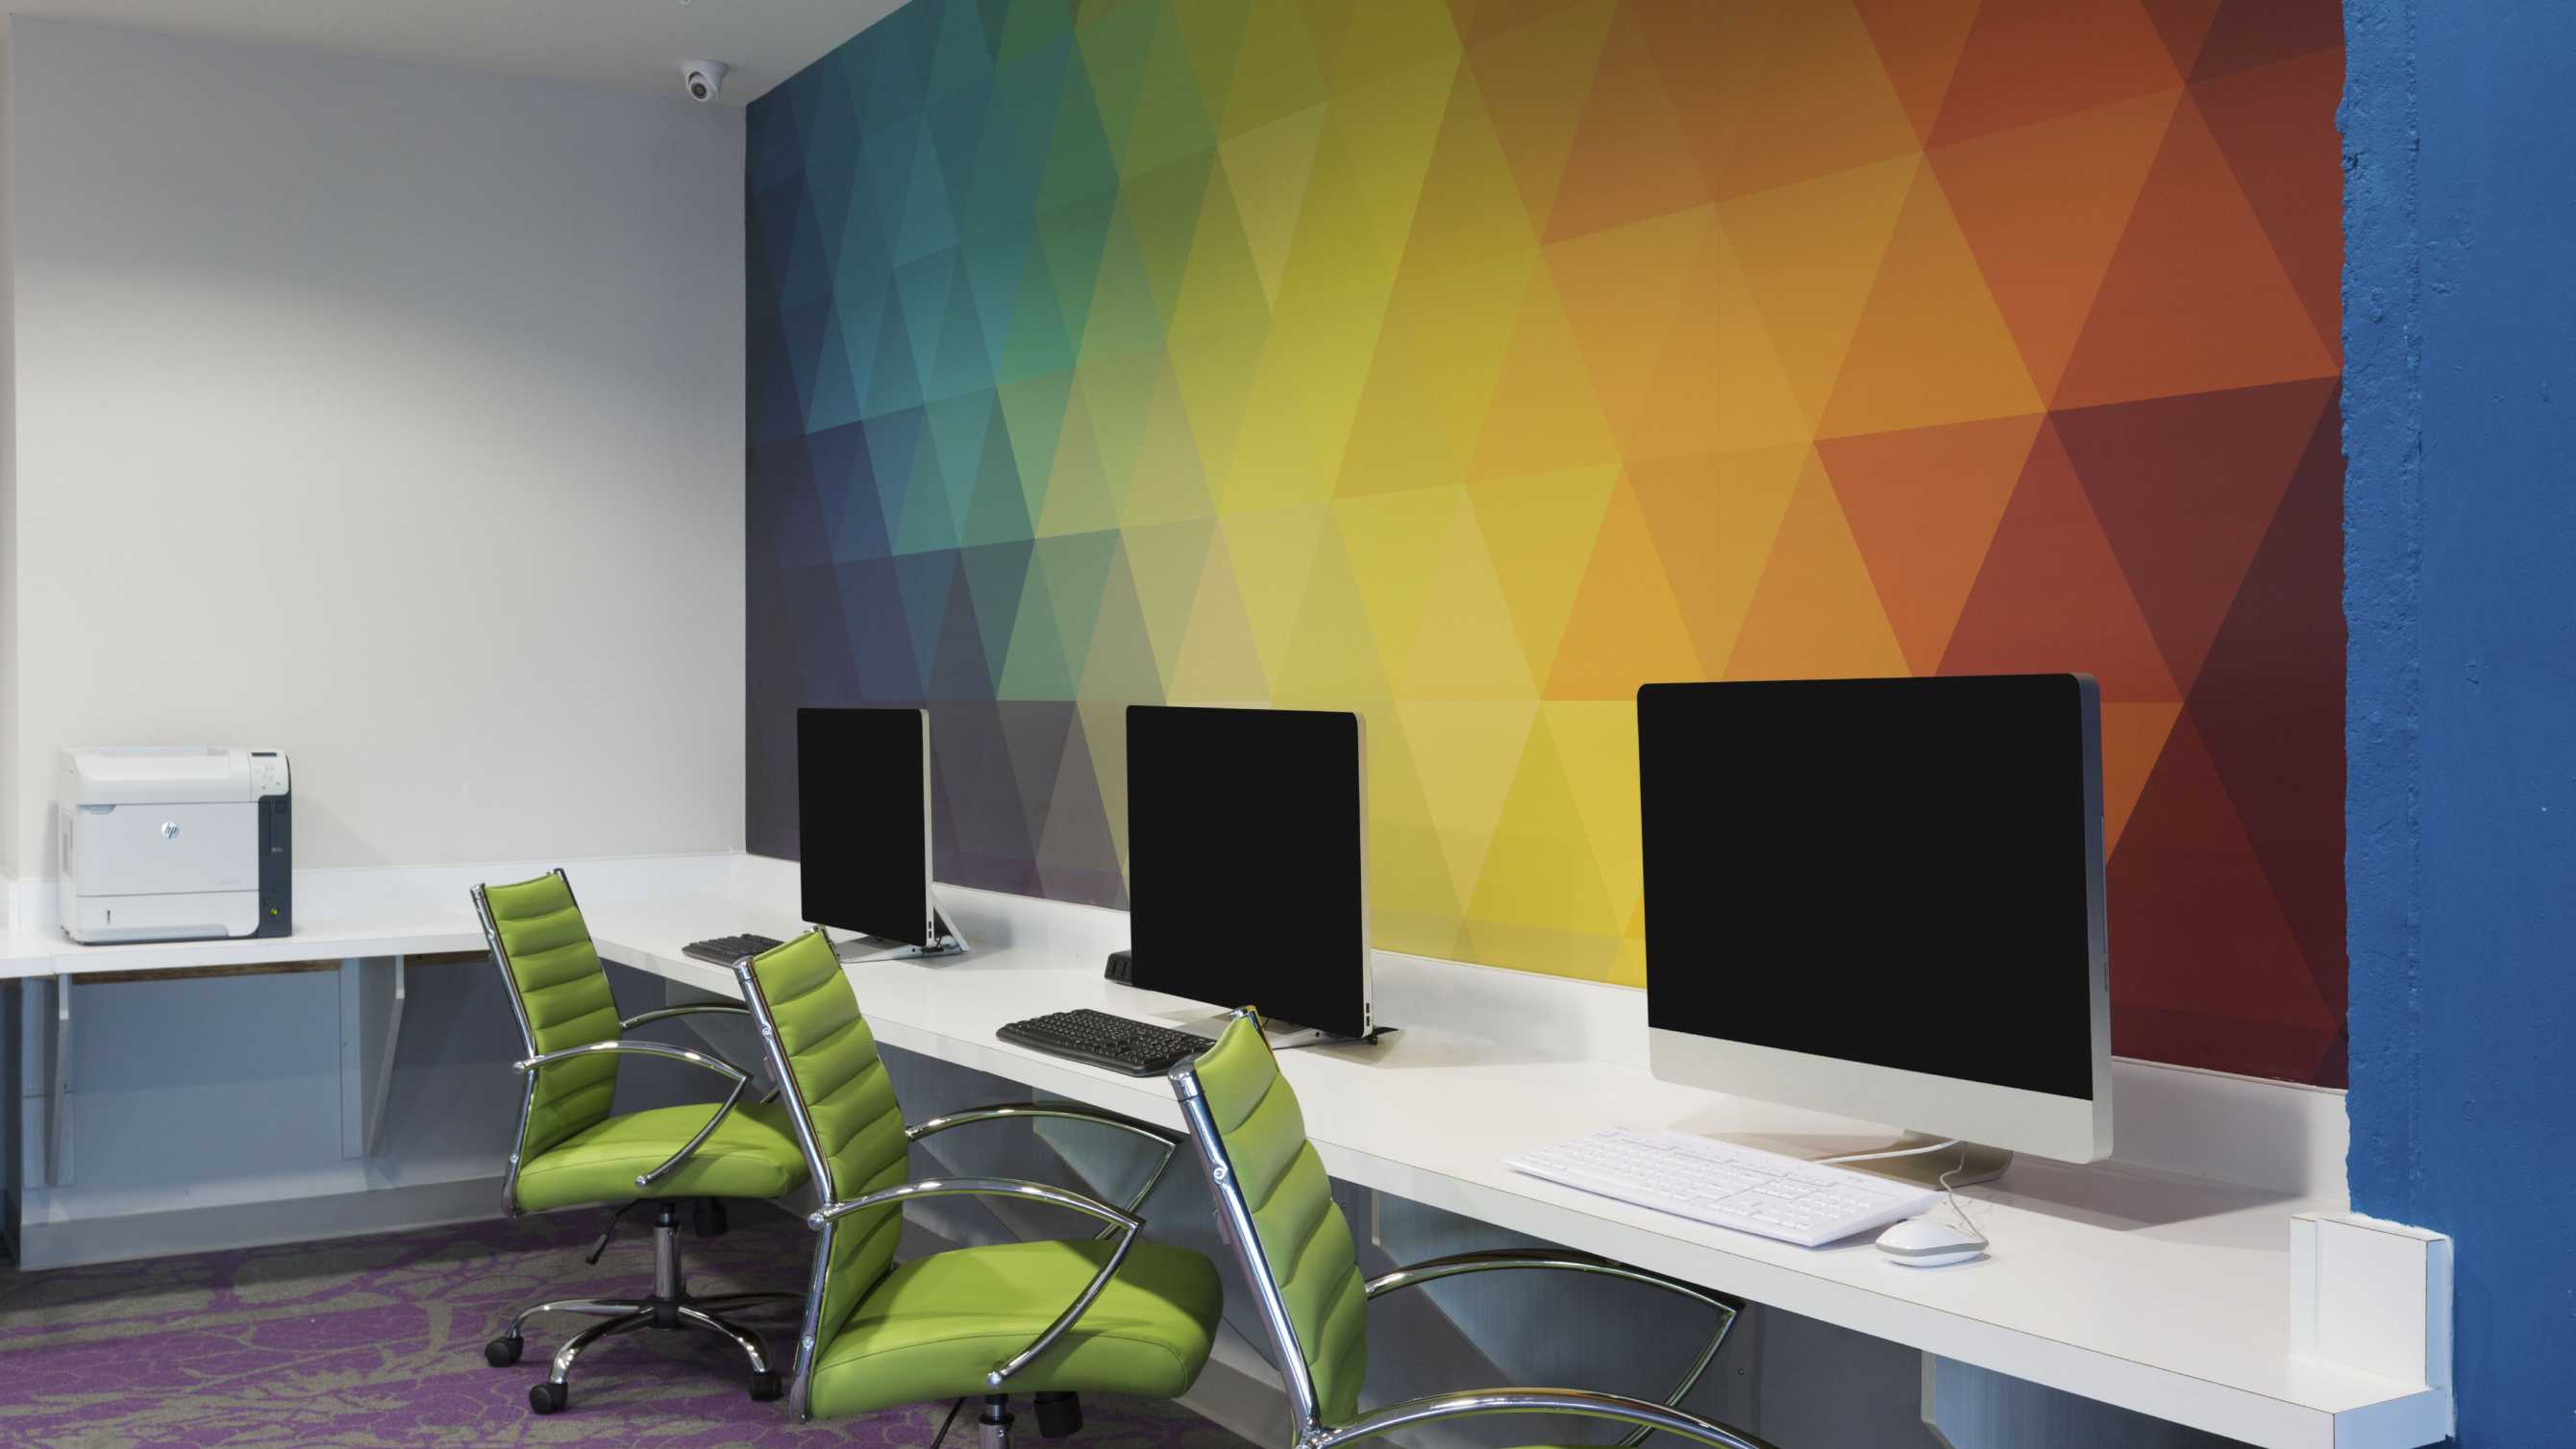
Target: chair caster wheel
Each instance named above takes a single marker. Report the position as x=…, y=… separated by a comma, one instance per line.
x=767, y=1386
x=547, y=1397
x=503, y=1351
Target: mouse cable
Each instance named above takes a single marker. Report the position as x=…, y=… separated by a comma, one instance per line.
x=1949, y=1193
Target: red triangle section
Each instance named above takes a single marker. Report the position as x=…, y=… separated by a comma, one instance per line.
x=2276, y=126
x=2195, y=299
x=2185, y=25
x=2051, y=597
x=2029, y=60
x=1923, y=505
x=2270, y=705
x=2186, y=488
x=2250, y=33
x=2194, y=923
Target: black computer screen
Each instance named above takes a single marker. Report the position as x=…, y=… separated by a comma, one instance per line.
x=1892, y=871
x=863, y=820
x=1245, y=860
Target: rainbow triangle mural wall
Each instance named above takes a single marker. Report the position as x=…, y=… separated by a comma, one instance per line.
x=1471, y=362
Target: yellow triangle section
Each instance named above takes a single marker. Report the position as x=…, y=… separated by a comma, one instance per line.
x=1539, y=902
x=1931, y=347
x=1466, y=644
x=1815, y=615
x=1597, y=745
x=1626, y=628
x=1273, y=552
x=1267, y=169
x=1538, y=532
x=1465, y=755
x=1390, y=538
x=1543, y=413
x=1413, y=904
x=1219, y=659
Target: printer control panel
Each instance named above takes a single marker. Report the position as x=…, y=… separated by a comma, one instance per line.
x=267, y=773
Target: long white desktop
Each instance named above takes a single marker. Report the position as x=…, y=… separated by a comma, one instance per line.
x=2208, y=1275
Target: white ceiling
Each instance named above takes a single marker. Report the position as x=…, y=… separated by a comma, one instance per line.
x=632, y=44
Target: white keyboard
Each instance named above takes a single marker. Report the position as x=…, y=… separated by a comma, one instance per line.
x=1732, y=1187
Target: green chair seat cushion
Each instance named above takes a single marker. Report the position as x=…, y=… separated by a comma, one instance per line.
x=937, y=1325
x=753, y=1154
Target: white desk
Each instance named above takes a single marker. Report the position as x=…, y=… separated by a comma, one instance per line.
x=2163, y=1294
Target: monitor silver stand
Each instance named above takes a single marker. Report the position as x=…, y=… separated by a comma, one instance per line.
x=950, y=942
x=1966, y=1163
x=1282, y=1035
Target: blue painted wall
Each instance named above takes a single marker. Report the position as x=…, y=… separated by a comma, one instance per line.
x=2460, y=557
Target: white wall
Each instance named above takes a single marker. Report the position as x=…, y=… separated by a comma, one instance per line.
x=391, y=416
x=8, y=495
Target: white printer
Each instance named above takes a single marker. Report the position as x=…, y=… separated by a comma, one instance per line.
x=174, y=843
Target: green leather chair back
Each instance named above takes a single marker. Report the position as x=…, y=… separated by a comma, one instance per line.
x=855, y=1133
x=564, y=1001
x=1305, y=1243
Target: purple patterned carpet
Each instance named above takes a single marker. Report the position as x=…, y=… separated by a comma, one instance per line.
x=365, y=1343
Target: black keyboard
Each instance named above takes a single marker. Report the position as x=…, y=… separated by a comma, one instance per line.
x=1134, y=1047
x=726, y=950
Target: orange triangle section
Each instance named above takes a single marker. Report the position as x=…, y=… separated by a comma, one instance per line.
x=1930, y=348
x=1919, y=42
x=2276, y=125
x=1534, y=80
x=1816, y=614
x=1714, y=519
x=1631, y=158
x=2195, y=299
x=2043, y=248
x=1625, y=628
x=2030, y=60
x=1786, y=92
x=1809, y=255
x=1923, y=505
x=2185, y=26
x=2051, y=597
x=1619, y=287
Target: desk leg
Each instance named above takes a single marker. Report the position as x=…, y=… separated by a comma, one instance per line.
x=58, y=1107
x=385, y=1062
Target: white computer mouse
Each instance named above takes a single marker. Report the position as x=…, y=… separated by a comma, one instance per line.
x=1929, y=1242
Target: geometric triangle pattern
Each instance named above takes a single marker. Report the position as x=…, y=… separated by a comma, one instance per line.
x=1469, y=364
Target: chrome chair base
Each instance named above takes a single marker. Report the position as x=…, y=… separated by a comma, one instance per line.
x=670, y=1307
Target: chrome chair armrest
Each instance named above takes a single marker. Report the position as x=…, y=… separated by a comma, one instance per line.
x=711, y=1062
x=715, y=1064
x=1016, y=1111
x=1562, y=1260
x=1030, y=1111
x=1648, y=1417
x=644, y=1018
x=1125, y=1224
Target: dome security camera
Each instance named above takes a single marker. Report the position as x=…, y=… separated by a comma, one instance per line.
x=703, y=78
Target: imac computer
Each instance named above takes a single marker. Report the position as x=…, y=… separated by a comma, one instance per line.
x=863, y=831
x=1882, y=899
x=1247, y=864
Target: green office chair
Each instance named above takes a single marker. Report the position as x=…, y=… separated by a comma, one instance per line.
x=1109, y=1314
x=572, y=1151
x=1276, y=1208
